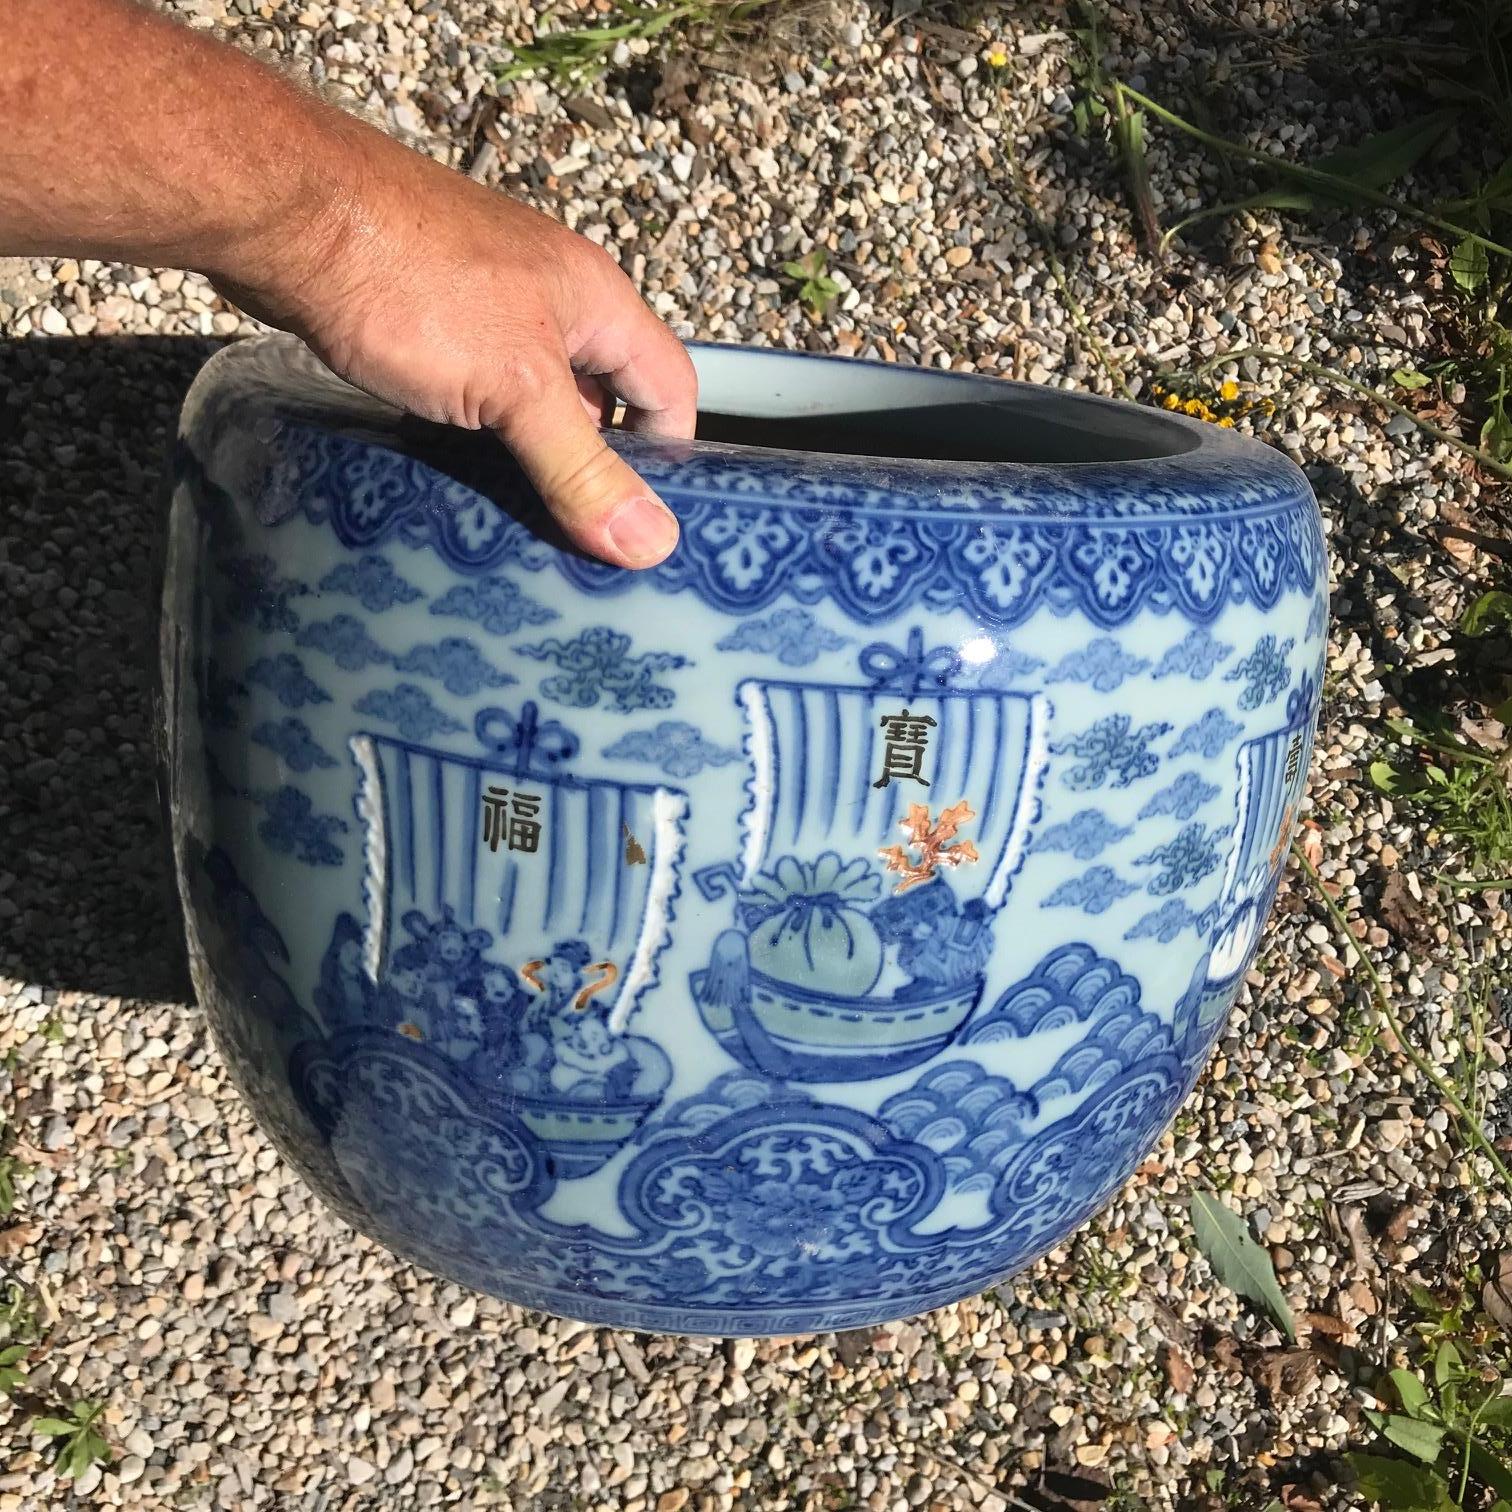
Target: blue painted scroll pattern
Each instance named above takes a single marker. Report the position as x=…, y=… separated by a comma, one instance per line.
x=754, y=1203
x=753, y=534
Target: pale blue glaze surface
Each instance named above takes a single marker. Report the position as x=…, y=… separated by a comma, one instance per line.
x=557, y=921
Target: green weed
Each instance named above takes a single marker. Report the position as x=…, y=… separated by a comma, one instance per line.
x=1462, y=789
x=1452, y=1415
x=816, y=288
x=79, y=1444
x=576, y=55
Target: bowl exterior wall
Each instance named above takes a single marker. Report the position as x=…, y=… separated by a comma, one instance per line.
x=801, y=935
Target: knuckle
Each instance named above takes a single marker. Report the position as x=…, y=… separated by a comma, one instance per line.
x=585, y=479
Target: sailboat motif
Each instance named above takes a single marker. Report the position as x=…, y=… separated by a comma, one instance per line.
x=1272, y=778
x=884, y=825
x=515, y=916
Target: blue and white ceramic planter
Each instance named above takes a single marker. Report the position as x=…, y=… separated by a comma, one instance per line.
x=802, y=934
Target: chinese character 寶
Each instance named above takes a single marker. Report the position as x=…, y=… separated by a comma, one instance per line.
x=904, y=737
x=511, y=820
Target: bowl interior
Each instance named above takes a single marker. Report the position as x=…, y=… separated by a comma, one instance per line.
x=796, y=401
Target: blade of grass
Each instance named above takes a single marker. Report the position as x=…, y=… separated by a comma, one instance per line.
x=1423, y=1065
x=1318, y=178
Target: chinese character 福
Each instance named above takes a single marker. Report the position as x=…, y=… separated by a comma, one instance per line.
x=511, y=819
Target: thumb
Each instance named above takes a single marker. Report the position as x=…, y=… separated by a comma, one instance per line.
x=595, y=496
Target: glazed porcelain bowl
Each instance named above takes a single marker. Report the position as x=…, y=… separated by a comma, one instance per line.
x=801, y=934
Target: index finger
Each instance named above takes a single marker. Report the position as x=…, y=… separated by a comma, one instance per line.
x=644, y=363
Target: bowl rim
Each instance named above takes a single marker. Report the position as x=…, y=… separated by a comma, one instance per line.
x=275, y=378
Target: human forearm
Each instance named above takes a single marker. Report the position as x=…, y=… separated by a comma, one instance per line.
x=124, y=136
x=109, y=113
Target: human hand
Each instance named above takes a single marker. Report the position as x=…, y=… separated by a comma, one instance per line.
x=463, y=306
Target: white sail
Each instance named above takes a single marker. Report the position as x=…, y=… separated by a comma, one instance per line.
x=1272, y=774
x=604, y=869
x=816, y=753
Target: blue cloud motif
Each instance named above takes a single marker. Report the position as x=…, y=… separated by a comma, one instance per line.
x=1103, y=663
x=679, y=749
x=1263, y=671
x=1317, y=618
x=284, y=675
x=1208, y=736
x=1006, y=670
x=1094, y=892
x=259, y=595
x=293, y=742
x=1110, y=747
x=1184, y=861
x=1194, y=656
x=409, y=709
x=1163, y=923
x=495, y=603
x=372, y=581
x=1085, y=834
x=457, y=663
x=1181, y=799
x=293, y=828
x=793, y=636
x=345, y=640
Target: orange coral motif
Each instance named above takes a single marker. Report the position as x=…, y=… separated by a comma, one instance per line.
x=1283, y=834
x=933, y=840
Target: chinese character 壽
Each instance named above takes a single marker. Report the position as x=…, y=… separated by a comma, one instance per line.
x=1293, y=758
x=511, y=820
x=904, y=738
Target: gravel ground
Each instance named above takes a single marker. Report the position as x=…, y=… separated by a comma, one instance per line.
x=253, y=1351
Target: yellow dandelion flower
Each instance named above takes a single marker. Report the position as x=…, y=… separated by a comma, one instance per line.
x=1229, y=391
x=996, y=56
x=1194, y=407
x=1226, y=422
x=1171, y=402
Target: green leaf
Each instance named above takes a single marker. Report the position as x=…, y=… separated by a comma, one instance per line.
x=1237, y=1261
x=1395, y=781
x=1422, y=1440
x=1400, y=1485
x=77, y=1458
x=1468, y=265
x=1447, y=1365
x=1496, y=435
x=1491, y=609
x=1381, y=160
x=1411, y=1392
x=12, y=1353
x=1375, y=164
x=52, y=1427
x=795, y=270
x=1491, y=1470
x=1497, y=1413
x=1410, y=378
